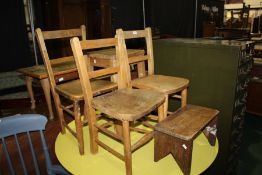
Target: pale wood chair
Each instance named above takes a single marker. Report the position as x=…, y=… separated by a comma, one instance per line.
x=169, y=85
x=121, y=108
x=68, y=87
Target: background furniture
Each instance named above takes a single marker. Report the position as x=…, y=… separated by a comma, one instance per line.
x=254, y=96
x=239, y=17
x=39, y=72
x=219, y=72
x=95, y=14
x=143, y=159
x=233, y=33
x=14, y=129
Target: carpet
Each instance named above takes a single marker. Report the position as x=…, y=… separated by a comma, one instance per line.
x=12, y=86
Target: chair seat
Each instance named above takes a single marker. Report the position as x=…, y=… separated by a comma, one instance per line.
x=128, y=104
x=162, y=83
x=73, y=89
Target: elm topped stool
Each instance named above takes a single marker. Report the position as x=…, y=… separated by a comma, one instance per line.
x=176, y=133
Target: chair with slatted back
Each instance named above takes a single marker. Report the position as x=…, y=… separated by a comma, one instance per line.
x=65, y=86
x=169, y=85
x=19, y=136
x=122, y=108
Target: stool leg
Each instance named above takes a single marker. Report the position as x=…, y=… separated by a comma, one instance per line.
x=163, y=145
x=210, y=131
x=180, y=149
x=182, y=153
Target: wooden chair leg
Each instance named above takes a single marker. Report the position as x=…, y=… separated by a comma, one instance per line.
x=166, y=106
x=127, y=147
x=141, y=70
x=60, y=112
x=93, y=132
x=79, y=128
x=30, y=91
x=184, y=97
x=46, y=88
x=161, y=113
x=118, y=128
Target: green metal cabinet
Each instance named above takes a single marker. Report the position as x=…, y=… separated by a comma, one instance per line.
x=218, y=71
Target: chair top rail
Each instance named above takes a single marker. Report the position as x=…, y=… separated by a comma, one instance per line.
x=21, y=123
x=56, y=34
x=134, y=34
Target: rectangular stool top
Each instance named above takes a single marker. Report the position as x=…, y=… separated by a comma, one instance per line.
x=187, y=122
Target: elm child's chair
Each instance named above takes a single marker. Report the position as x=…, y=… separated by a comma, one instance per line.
x=67, y=87
x=169, y=85
x=121, y=108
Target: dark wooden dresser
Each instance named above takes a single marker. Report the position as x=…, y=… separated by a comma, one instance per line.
x=219, y=72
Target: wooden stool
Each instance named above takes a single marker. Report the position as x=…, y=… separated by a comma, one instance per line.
x=176, y=133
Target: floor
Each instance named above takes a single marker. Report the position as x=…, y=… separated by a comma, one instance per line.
x=250, y=159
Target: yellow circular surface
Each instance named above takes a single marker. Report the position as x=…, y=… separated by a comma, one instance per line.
x=103, y=162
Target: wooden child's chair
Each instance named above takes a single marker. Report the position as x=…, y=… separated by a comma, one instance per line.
x=169, y=85
x=122, y=107
x=67, y=86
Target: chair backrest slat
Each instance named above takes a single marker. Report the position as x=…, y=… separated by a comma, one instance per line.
x=9, y=161
x=135, y=59
x=62, y=60
x=98, y=43
x=45, y=149
x=33, y=153
x=20, y=154
x=103, y=72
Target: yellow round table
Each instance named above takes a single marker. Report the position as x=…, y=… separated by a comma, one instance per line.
x=103, y=162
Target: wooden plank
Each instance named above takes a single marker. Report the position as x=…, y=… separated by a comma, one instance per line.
x=187, y=122
x=61, y=34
